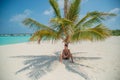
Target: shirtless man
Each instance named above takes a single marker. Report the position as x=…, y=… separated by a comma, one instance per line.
x=66, y=54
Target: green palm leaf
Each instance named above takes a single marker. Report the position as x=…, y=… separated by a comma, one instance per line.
x=91, y=22
x=73, y=11
x=61, y=21
x=55, y=7
x=100, y=32
x=100, y=14
x=34, y=24
x=45, y=35
x=95, y=14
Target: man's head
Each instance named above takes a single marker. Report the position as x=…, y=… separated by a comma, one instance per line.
x=66, y=46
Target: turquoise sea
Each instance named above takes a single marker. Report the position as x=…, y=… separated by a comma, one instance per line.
x=4, y=40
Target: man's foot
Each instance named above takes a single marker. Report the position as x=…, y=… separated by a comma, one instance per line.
x=72, y=61
x=60, y=61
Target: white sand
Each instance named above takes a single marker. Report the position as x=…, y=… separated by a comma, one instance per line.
x=107, y=67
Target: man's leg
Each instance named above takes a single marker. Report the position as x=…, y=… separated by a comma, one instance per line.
x=71, y=57
x=60, y=58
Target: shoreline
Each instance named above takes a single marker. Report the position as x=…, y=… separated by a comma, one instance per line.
x=53, y=43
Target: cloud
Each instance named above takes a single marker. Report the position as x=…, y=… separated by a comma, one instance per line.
x=48, y=12
x=84, y=1
x=19, y=17
x=115, y=10
x=113, y=22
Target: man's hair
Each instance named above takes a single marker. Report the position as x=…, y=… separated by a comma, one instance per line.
x=66, y=45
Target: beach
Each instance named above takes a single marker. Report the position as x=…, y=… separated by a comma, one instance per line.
x=98, y=60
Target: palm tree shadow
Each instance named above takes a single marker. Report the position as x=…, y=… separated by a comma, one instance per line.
x=37, y=66
x=75, y=67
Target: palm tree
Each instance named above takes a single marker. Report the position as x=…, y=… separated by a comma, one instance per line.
x=70, y=28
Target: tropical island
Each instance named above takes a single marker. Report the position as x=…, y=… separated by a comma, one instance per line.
x=113, y=33
x=17, y=34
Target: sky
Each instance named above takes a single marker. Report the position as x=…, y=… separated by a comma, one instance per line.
x=13, y=12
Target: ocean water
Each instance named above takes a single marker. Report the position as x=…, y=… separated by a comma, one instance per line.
x=13, y=39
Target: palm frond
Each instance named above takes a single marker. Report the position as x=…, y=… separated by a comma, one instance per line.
x=45, y=35
x=55, y=7
x=82, y=20
x=101, y=15
x=61, y=21
x=100, y=32
x=91, y=22
x=97, y=15
x=73, y=11
x=34, y=24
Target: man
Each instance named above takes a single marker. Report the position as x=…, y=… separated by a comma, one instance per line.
x=66, y=54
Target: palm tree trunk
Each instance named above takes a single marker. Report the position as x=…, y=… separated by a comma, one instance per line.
x=39, y=40
x=65, y=8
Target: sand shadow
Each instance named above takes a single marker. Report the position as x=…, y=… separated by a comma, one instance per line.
x=37, y=66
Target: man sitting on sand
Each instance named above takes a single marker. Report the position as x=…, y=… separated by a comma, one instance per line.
x=66, y=54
